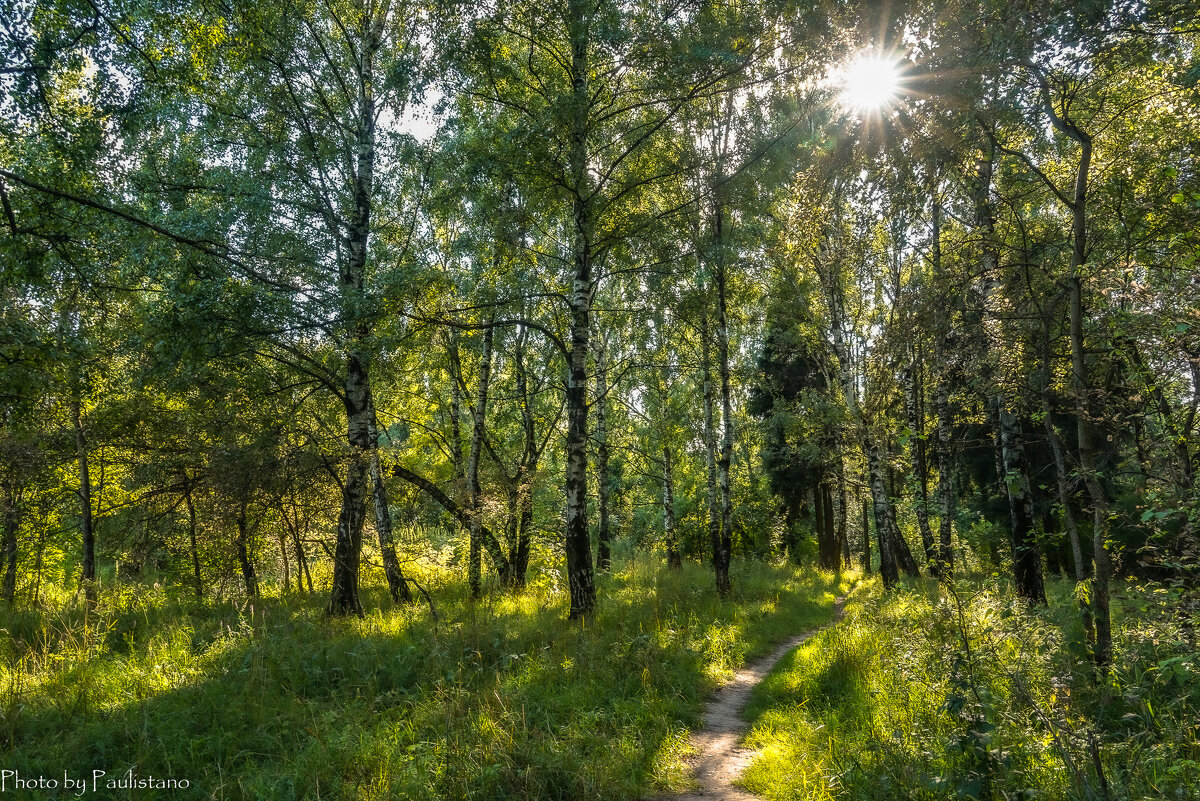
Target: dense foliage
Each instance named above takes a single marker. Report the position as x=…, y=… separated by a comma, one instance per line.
x=345, y=303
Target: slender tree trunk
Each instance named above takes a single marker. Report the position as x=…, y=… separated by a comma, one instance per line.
x=828, y=550
x=348, y=549
x=520, y=561
x=191, y=509
x=866, y=537
x=916, y=452
x=1181, y=435
x=1082, y=566
x=249, y=577
x=1012, y=468
x=724, y=550
x=1027, y=556
x=578, y=546
x=849, y=390
x=1079, y=374
x=843, y=536
x=669, y=535
x=344, y=598
x=86, y=522
x=298, y=547
x=287, y=570
x=8, y=551
x=1062, y=475
x=580, y=573
x=603, y=533
x=884, y=519
x=475, y=564
x=834, y=558
x=710, y=442
x=819, y=525
x=525, y=474
x=1087, y=451
x=897, y=546
x=945, y=487
x=457, y=460
x=710, y=436
x=38, y=562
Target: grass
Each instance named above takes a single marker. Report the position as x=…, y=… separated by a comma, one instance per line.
x=928, y=694
x=498, y=699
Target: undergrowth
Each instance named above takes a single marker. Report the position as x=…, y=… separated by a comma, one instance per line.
x=965, y=693
x=497, y=699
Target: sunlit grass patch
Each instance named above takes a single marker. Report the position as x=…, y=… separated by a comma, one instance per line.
x=967, y=694
x=496, y=699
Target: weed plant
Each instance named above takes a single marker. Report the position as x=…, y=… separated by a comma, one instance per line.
x=964, y=692
x=496, y=699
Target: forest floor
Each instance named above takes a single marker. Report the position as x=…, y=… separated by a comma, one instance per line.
x=720, y=757
x=962, y=690
x=497, y=698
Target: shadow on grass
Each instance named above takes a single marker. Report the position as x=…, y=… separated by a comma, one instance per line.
x=502, y=699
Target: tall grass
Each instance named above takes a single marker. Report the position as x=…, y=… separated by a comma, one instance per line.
x=967, y=694
x=495, y=699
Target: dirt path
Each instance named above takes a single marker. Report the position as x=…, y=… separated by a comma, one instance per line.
x=720, y=760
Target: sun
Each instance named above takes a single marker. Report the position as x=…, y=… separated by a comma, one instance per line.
x=870, y=82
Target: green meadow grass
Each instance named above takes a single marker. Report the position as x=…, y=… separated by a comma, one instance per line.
x=497, y=699
x=928, y=694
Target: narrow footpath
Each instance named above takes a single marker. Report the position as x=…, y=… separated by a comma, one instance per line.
x=720, y=760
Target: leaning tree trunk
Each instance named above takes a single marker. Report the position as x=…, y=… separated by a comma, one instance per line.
x=287, y=568
x=298, y=546
x=397, y=585
x=1062, y=482
x=463, y=516
x=1062, y=475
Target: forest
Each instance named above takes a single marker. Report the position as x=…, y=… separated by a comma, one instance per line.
x=425, y=399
